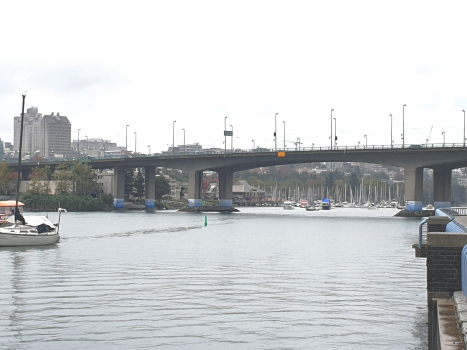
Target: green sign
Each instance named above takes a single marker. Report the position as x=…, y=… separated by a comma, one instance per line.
x=228, y=133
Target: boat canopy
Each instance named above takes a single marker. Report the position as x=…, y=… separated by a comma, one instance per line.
x=35, y=221
x=326, y=200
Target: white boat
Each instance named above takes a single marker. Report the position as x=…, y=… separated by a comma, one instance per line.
x=288, y=205
x=37, y=230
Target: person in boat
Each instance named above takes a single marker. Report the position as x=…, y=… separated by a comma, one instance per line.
x=18, y=217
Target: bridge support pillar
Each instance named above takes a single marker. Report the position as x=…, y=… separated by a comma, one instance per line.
x=225, y=189
x=119, y=187
x=442, y=188
x=150, y=188
x=414, y=188
x=195, y=188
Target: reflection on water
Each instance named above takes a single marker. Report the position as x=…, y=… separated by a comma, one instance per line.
x=263, y=278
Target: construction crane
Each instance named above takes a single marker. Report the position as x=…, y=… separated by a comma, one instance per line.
x=429, y=137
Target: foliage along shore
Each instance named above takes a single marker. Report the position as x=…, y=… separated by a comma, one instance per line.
x=70, y=202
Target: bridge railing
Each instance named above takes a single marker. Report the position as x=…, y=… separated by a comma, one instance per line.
x=255, y=150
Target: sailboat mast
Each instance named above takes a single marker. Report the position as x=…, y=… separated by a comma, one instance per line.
x=19, y=159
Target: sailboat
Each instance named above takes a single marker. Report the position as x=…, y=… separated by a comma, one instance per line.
x=30, y=230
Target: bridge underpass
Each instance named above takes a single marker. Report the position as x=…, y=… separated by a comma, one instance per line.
x=413, y=160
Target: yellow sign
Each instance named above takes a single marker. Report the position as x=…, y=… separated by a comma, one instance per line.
x=281, y=154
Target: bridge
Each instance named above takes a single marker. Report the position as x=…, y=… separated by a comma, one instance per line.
x=442, y=158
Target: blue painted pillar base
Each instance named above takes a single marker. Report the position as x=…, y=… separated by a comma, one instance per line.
x=439, y=205
x=414, y=206
x=195, y=202
x=225, y=203
x=150, y=204
x=119, y=203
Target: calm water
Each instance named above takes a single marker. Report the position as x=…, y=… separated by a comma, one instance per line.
x=265, y=278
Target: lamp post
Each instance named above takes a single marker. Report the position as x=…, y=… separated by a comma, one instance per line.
x=231, y=139
x=184, y=148
x=298, y=142
x=275, y=130
x=284, y=134
x=79, y=154
x=87, y=146
x=135, y=140
x=391, y=128
x=444, y=137
x=126, y=140
x=149, y=150
x=331, y=126
x=358, y=144
x=173, y=137
x=312, y=145
x=366, y=141
x=253, y=144
x=335, y=133
x=464, y=126
x=403, y=126
x=225, y=136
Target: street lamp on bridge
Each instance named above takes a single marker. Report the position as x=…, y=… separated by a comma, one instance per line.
x=184, y=148
x=253, y=144
x=366, y=141
x=403, y=126
x=331, y=126
x=135, y=140
x=358, y=144
x=87, y=146
x=78, y=144
x=335, y=133
x=275, y=130
x=173, y=137
x=149, y=150
x=391, y=128
x=298, y=143
x=225, y=135
x=231, y=139
x=284, y=134
x=444, y=137
x=126, y=139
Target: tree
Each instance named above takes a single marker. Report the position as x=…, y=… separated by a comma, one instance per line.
x=458, y=194
x=139, y=185
x=353, y=181
x=6, y=178
x=40, y=183
x=84, y=179
x=129, y=180
x=162, y=187
x=64, y=177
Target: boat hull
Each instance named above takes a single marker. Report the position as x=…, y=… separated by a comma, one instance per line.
x=15, y=240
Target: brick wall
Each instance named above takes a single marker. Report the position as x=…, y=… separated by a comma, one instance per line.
x=444, y=269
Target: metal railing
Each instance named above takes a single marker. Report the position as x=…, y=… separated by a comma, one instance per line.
x=454, y=225
x=455, y=211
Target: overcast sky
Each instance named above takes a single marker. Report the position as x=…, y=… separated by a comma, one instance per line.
x=105, y=64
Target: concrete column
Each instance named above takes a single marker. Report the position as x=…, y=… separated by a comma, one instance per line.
x=150, y=187
x=119, y=187
x=225, y=189
x=413, y=188
x=195, y=188
x=442, y=187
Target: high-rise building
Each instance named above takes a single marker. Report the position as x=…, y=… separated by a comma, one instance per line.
x=57, y=136
x=32, y=136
